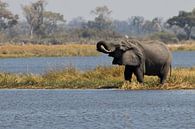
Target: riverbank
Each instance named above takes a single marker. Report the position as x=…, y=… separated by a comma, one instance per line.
x=101, y=77
x=182, y=46
x=29, y=50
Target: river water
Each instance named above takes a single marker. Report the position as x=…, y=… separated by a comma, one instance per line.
x=97, y=109
x=93, y=109
x=38, y=65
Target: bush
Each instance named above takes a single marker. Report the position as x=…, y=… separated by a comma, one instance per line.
x=165, y=37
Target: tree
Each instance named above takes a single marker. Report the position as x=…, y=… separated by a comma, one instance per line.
x=77, y=22
x=50, y=21
x=7, y=19
x=136, y=23
x=185, y=20
x=152, y=26
x=121, y=27
x=34, y=16
x=102, y=18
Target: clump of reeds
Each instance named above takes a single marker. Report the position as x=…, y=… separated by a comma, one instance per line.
x=100, y=77
x=29, y=50
x=182, y=46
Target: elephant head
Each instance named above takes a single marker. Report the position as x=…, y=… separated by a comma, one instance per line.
x=123, y=53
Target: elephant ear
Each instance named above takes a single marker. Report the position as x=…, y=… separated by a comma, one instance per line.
x=132, y=54
x=126, y=45
x=130, y=58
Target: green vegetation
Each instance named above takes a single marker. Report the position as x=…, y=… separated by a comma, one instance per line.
x=185, y=20
x=164, y=37
x=101, y=77
x=41, y=26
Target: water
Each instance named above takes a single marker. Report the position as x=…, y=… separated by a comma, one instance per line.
x=184, y=59
x=97, y=109
x=43, y=64
x=39, y=65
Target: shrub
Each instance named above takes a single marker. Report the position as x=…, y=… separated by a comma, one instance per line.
x=165, y=37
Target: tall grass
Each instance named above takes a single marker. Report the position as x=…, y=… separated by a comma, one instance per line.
x=100, y=77
x=183, y=46
x=30, y=50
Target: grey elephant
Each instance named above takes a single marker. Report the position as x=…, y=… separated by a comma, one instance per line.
x=139, y=57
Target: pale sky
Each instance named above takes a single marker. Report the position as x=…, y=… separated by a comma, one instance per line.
x=121, y=9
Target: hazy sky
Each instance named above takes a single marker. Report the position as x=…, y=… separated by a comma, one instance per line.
x=122, y=9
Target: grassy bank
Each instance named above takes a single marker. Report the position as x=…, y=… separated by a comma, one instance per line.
x=101, y=77
x=30, y=50
x=182, y=46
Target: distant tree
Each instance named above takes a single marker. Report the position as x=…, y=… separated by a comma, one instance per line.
x=121, y=27
x=157, y=24
x=185, y=20
x=7, y=18
x=51, y=20
x=152, y=26
x=34, y=15
x=136, y=23
x=77, y=22
x=102, y=18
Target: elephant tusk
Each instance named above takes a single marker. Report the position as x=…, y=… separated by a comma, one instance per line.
x=103, y=49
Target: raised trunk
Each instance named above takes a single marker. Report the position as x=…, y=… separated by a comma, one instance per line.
x=102, y=46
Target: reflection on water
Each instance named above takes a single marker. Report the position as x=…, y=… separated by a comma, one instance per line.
x=43, y=64
x=96, y=109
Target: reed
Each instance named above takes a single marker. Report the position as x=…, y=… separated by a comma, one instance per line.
x=29, y=50
x=100, y=77
x=182, y=46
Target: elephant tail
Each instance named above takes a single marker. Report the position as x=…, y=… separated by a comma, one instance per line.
x=170, y=69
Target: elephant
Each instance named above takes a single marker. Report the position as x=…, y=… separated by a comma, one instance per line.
x=140, y=58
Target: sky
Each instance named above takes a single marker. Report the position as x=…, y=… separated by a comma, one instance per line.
x=121, y=9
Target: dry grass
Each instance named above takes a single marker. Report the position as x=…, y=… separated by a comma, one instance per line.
x=183, y=46
x=101, y=77
x=30, y=50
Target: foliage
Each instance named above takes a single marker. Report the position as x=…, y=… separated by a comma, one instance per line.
x=51, y=20
x=34, y=15
x=102, y=19
x=164, y=37
x=39, y=20
x=185, y=20
x=47, y=27
x=7, y=19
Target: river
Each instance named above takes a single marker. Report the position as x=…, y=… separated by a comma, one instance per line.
x=97, y=109
x=39, y=65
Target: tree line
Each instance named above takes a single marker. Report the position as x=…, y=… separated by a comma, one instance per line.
x=48, y=27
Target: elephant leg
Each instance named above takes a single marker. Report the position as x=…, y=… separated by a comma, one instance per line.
x=162, y=78
x=128, y=73
x=139, y=74
x=164, y=74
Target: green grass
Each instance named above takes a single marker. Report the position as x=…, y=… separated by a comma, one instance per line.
x=101, y=77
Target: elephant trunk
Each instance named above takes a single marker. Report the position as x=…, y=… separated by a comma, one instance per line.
x=103, y=47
